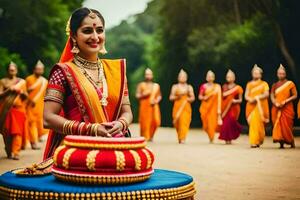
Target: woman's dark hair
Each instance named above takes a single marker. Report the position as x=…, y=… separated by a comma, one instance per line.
x=79, y=14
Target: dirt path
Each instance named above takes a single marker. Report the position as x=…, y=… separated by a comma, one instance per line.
x=220, y=171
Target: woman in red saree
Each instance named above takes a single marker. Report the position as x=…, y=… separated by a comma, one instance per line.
x=283, y=93
x=232, y=98
x=86, y=95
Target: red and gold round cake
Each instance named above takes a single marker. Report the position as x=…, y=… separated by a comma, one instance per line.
x=97, y=160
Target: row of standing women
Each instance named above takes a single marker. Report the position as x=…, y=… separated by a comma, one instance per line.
x=220, y=107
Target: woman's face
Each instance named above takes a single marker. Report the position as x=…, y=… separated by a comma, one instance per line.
x=210, y=77
x=182, y=78
x=90, y=36
x=12, y=70
x=230, y=78
x=281, y=74
x=148, y=75
x=256, y=74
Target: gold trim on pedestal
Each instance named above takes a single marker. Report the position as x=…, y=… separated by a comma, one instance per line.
x=185, y=192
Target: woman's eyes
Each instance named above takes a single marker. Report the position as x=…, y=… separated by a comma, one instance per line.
x=90, y=30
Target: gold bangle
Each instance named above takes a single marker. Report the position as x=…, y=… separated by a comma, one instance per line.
x=88, y=129
x=80, y=126
x=70, y=131
x=123, y=124
x=93, y=129
x=96, y=129
x=125, y=120
x=65, y=127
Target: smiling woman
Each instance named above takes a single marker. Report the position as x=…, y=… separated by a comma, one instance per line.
x=86, y=95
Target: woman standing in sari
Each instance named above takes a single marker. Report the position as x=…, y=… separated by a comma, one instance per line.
x=13, y=124
x=232, y=98
x=86, y=95
x=257, y=108
x=210, y=108
x=182, y=94
x=283, y=93
x=149, y=96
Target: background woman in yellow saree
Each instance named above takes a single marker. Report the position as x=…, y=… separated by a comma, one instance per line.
x=182, y=94
x=149, y=95
x=210, y=108
x=283, y=93
x=257, y=107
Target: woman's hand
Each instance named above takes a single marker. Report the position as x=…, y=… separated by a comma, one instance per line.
x=114, y=128
x=102, y=131
x=220, y=121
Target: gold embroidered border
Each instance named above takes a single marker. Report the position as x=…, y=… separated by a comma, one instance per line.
x=149, y=160
x=120, y=160
x=66, y=157
x=105, y=146
x=91, y=160
x=137, y=160
x=56, y=152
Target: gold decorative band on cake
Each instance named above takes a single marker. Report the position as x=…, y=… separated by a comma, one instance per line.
x=185, y=192
x=66, y=157
x=101, y=179
x=120, y=160
x=149, y=159
x=104, y=146
x=91, y=160
x=56, y=152
x=137, y=160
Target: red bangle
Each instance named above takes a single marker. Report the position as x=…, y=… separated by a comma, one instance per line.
x=75, y=128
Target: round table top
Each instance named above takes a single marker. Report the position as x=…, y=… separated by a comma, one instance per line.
x=161, y=183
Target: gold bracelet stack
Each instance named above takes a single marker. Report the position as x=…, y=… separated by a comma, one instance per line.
x=68, y=127
x=72, y=127
x=124, y=122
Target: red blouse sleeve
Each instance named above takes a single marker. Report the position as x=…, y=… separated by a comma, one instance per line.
x=56, y=88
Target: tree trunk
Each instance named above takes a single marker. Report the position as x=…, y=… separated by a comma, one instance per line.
x=237, y=12
x=284, y=49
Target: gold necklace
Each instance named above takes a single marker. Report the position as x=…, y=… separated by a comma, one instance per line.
x=85, y=64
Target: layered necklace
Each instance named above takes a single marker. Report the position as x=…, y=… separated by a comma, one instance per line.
x=84, y=64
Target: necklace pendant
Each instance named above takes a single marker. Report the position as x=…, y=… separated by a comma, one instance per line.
x=104, y=102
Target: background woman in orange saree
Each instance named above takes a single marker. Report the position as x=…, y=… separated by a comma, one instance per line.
x=149, y=95
x=283, y=93
x=232, y=98
x=182, y=94
x=210, y=108
x=36, y=88
x=86, y=95
x=257, y=107
x=13, y=112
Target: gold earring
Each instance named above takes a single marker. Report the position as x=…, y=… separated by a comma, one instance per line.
x=75, y=49
x=102, y=50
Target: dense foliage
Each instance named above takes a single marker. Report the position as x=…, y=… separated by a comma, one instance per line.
x=198, y=35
